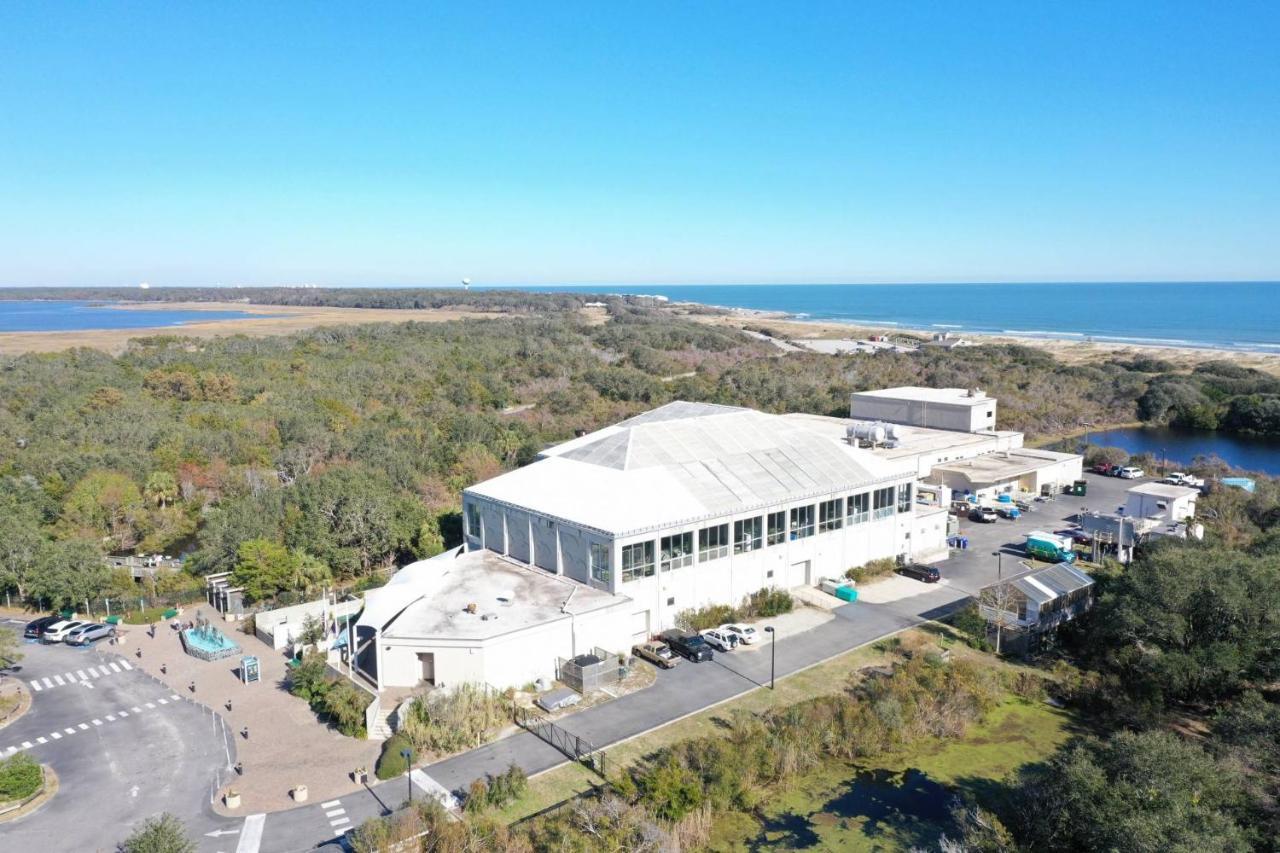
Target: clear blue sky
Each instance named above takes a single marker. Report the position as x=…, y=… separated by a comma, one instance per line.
x=261, y=143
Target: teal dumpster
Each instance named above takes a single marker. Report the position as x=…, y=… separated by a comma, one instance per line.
x=846, y=593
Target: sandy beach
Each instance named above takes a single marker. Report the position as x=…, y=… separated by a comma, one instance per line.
x=783, y=326
x=272, y=320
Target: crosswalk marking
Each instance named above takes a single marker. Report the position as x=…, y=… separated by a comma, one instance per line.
x=84, y=726
x=97, y=722
x=339, y=821
x=94, y=672
x=175, y=697
x=111, y=718
x=80, y=672
x=331, y=804
x=70, y=731
x=126, y=664
x=151, y=704
x=48, y=683
x=55, y=735
x=114, y=667
x=136, y=709
x=335, y=812
x=71, y=679
x=26, y=744
x=35, y=685
x=251, y=834
x=58, y=679
x=42, y=740
x=163, y=701
x=124, y=713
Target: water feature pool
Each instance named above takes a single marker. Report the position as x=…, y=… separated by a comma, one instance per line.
x=208, y=643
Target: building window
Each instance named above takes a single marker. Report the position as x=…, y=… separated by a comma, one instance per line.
x=860, y=508
x=904, y=497
x=677, y=551
x=777, y=528
x=473, y=521
x=637, y=561
x=671, y=602
x=713, y=542
x=802, y=522
x=769, y=573
x=746, y=535
x=882, y=503
x=830, y=515
x=600, y=563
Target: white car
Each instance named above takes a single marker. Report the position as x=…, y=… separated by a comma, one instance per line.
x=1131, y=473
x=719, y=640
x=745, y=633
x=57, y=633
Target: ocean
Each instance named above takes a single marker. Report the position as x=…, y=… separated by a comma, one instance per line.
x=1239, y=316
x=64, y=316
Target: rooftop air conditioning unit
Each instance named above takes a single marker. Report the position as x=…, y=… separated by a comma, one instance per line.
x=488, y=617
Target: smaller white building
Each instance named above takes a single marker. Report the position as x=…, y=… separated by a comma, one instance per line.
x=958, y=409
x=1161, y=502
x=478, y=617
x=1022, y=471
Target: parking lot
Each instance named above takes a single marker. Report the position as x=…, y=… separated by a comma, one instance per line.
x=123, y=745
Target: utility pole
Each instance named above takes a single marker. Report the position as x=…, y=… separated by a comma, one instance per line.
x=773, y=653
x=408, y=770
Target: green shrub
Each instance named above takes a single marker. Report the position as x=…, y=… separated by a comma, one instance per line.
x=449, y=721
x=391, y=763
x=19, y=777
x=706, y=617
x=507, y=786
x=766, y=602
x=346, y=703
x=872, y=570
x=972, y=627
x=477, y=797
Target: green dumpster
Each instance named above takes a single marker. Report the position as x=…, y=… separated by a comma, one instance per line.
x=1079, y=488
x=113, y=620
x=169, y=614
x=846, y=593
x=67, y=614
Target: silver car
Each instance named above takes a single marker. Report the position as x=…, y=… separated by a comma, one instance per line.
x=88, y=634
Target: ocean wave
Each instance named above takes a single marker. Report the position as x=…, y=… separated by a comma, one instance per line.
x=1169, y=342
x=1042, y=333
x=946, y=326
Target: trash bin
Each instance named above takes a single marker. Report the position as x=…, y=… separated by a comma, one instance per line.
x=1079, y=488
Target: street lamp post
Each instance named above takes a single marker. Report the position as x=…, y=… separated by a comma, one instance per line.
x=408, y=772
x=999, y=555
x=773, y=653
x=1086, y=425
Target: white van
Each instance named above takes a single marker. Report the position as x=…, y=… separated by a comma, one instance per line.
x=1131, y=473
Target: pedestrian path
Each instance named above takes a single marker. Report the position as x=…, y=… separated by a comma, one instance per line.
x=79, y=676
x=95, y=722
x=336, y=814
x=251, y=834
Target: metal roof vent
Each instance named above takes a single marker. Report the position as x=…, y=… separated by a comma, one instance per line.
x=489, y=617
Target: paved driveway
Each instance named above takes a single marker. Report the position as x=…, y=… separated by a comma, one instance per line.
x=124, y=747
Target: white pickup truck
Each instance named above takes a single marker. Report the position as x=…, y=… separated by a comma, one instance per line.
x=1177, y=478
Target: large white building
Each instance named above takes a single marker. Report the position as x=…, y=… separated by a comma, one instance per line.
x=602, y=540
x=694, y=504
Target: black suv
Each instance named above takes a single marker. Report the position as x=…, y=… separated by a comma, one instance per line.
x=920, y=572
x=35, y=629
x=688, y=645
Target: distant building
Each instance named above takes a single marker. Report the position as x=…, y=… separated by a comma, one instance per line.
x=947, y=340
x=1162, y=502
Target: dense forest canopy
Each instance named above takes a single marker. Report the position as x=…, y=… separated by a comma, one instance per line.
x=348, y=446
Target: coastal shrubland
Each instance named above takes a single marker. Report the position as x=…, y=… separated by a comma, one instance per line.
x=761, y=604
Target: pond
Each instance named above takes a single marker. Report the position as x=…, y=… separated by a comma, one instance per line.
x=1251, y=453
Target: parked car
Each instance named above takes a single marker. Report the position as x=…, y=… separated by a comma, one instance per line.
x=561, y=697
x=921, y=572
x=88, y=634
x=657, y=654
x=984, y=515
x=745, y=633
x=688, y=645
x=1131, y=473
x=36, y=627
x=1105, y=468
x=58, y=631
x=1177, y=478
x=1008, y=511
x=718, y=639
x=1079, y=537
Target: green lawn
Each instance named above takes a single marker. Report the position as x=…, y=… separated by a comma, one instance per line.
x=897, y=803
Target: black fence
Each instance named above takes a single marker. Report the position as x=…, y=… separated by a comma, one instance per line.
x=573, y=747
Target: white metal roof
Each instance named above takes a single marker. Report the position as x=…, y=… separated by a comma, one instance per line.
x=1164, y=490
x=685, y=462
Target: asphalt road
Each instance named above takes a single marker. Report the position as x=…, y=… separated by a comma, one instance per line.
x=186, y=749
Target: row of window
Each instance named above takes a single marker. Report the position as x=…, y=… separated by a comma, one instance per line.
x=676, y=551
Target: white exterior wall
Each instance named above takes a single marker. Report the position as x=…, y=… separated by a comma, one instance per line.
x=1139, y=505
x=508, y=660
x=960, y=417
x=728, y=579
